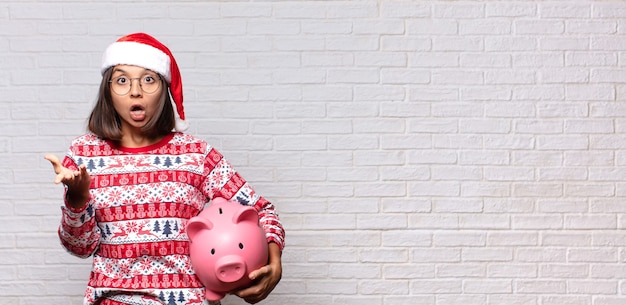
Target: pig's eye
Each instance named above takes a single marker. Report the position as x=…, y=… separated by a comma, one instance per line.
x=240, y=246
x=212, y=251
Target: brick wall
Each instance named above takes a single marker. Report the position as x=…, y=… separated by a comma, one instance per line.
x=420, y=152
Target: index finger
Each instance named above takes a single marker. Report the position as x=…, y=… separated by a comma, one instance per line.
x=56, y=163
x=259, y=272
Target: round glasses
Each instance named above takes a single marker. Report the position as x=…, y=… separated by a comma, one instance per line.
x=148, y=83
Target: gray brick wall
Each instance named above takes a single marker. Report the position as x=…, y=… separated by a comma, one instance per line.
x=420, y=152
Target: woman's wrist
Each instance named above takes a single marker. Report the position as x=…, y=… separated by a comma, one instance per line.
x=274, y=257
x=76, y=201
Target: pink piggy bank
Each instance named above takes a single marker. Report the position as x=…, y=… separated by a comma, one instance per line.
x=226, y=243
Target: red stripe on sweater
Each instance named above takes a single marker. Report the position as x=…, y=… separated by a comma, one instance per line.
x=159, y=281
x=133, y=250
x=148, y=210
x=97, y=150
x=109, y=180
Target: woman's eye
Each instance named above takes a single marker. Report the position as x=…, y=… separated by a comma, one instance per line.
x=148, y=79
x=122, y=80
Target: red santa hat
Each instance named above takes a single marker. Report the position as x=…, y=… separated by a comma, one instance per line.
x=143, y=50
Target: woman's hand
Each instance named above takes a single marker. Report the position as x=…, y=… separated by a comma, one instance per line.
x=77, y=182
x=264, y=279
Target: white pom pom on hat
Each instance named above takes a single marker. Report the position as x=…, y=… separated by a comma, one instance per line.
x=143, y=50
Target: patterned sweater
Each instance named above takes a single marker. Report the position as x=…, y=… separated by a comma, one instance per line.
x=140, y=201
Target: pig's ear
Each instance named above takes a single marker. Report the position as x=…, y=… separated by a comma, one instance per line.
x=246, y=214
x=197, y=224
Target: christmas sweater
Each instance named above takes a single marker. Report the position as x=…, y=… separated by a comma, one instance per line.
x=134, y=221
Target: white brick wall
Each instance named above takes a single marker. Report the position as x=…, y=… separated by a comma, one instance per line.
x=420, y=152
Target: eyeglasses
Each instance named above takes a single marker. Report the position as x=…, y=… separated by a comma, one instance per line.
x=148, y=83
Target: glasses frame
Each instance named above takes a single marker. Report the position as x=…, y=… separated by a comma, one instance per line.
x=159, y=81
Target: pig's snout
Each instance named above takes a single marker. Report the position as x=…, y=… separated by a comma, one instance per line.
x=230, y=269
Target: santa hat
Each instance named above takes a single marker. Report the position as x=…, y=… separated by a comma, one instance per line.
x=143, y=50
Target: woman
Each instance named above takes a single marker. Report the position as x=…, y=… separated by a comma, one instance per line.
x=132, y=183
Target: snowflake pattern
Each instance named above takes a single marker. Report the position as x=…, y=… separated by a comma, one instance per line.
x=140, y=203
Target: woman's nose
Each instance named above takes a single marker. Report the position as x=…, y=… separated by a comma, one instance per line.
x=135, y=87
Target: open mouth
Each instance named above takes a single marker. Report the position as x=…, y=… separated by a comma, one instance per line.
x=137, y=113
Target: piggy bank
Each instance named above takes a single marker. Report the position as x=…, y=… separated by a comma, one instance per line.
x=226, y=243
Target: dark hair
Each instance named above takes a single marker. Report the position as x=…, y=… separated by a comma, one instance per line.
x=106, y=123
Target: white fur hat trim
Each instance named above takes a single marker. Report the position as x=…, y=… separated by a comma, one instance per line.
x=137, y=54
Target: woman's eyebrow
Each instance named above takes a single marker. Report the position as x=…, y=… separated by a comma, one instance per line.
x=145, y=71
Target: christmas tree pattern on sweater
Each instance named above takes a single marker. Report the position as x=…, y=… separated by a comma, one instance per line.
x=141, y=200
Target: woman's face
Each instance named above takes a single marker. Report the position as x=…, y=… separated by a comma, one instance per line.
x=135, y=92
